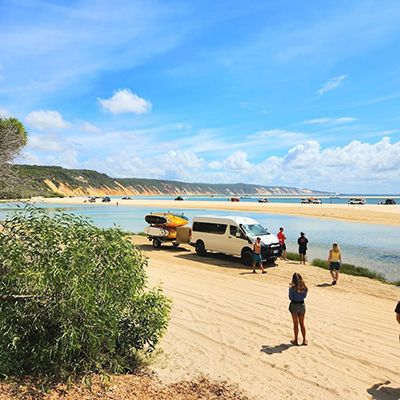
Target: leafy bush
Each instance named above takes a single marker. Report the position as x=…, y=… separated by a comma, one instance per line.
x=351, y=269
x=292, y=256
x=73, y=297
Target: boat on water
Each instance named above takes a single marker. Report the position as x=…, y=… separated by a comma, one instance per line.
x=263, y=200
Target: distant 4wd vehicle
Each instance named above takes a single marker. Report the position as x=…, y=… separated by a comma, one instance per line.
x=105, y=199
x=357, y=200
x=388, y=202
x=233, y=235
x=311, y=200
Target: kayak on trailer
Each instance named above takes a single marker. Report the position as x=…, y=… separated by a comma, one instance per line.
x=163, y=227
x=167, y=220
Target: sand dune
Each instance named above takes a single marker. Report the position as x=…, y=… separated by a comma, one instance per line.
x=230, y=324
x=370, y=213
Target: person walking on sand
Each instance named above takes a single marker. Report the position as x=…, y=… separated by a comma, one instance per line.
x=302, y=242
x=282, y=238
x=334, y=262
x=257, y=258
x=297, y=293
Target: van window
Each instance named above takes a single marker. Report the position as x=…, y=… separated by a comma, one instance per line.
x=233, y=230
x=218, y=229
x=255, y=230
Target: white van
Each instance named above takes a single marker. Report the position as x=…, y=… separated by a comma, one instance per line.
x=233, y=235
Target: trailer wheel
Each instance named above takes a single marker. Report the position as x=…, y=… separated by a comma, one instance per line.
x=175, y=244
x=156, y=243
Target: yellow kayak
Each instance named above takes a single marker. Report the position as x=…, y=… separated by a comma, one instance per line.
x=167, y=220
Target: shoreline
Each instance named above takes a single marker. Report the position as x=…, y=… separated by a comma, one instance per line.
x=368, y=213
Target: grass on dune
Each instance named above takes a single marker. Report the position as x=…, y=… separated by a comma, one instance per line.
x=348, y=269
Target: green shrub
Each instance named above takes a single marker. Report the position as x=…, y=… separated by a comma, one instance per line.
x=351, y=269
x=292, y=256
x=73, y=297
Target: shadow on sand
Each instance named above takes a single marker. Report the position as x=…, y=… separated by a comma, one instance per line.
x=280, y=348
x=215, y=259
x=324, y=285
x=381, y=392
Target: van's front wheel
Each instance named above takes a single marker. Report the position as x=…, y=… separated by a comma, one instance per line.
x=200, y=248
x=247, y=257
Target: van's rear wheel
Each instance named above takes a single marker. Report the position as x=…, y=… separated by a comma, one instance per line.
x=200, y=248
x=247, y=257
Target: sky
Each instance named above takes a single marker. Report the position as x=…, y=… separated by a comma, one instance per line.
x=288, y=93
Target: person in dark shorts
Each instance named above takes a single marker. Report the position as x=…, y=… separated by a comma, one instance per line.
x=297, y=293
x=257, y=257
x=302, y=241
x=334, y=262
x=397, y=311
x=282, y=238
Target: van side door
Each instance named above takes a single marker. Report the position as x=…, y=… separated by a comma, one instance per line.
x=236, y=240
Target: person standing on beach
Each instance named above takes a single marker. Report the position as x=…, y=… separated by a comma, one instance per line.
x=297, y=294
x=302, y=242
x=334, y=262
x=257, y=258
x=397, y=311
x=282, y=237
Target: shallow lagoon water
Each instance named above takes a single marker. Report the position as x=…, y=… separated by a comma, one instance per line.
x=373, y=246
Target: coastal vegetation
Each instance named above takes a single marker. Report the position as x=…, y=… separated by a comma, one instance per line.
x=13, y=137
x=345, y=268
x=51, y=181
x=73, y=298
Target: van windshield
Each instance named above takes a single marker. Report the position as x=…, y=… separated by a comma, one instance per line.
x=255, y=230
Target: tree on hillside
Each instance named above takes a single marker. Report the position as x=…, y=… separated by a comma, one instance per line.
x=13, y=137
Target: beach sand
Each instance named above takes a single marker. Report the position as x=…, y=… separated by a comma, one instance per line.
x=232, y=325
x=369, y=213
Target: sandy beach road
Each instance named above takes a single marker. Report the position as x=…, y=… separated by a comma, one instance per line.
x=230, y=324
x=369, y=213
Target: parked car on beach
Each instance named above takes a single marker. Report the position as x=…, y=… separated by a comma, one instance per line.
x=263, y=200
x=311, y=200
x=105, y=199
x=388, y=202
x=357, y=200
x=233, y=235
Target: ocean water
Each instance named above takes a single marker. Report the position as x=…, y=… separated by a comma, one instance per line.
x=373, y=246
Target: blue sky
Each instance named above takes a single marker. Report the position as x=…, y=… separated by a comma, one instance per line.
x=270, y=92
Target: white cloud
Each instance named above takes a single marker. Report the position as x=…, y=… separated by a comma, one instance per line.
x=46, y=119
x=215, y=165
x=86, y=126
x=331, y=84
x=4, y=113
x=124, y=101
x=356, y=166
x=45, y=143
x=237, y=162
x=329, y=121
